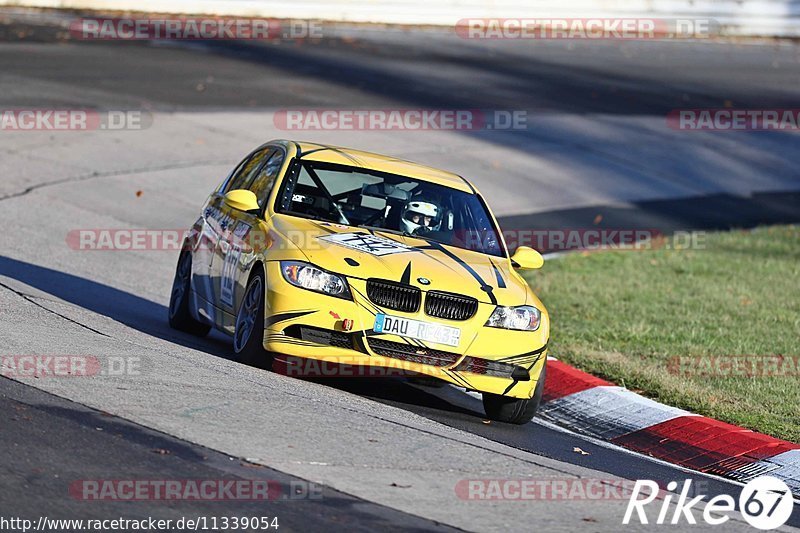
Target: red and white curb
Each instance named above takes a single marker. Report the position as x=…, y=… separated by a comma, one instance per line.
x=594, y=407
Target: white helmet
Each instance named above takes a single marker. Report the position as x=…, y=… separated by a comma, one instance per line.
x=420, y=216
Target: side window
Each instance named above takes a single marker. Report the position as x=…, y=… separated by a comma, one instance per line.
x=265, y=180
x=244, y=176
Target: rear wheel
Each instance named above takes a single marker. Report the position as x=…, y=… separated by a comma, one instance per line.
x=180, y=317
x=248, y=339
x=514, y=410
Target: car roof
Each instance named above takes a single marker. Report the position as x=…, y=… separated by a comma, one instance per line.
x=358, y=158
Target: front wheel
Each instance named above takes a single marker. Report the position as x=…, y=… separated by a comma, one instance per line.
x=514, y=410
x=248, y=338
x=180, y=317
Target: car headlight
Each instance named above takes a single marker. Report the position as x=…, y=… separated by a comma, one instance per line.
x=523, y=318
x=307, y=276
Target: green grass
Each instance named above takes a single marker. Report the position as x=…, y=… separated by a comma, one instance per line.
x=623, y=315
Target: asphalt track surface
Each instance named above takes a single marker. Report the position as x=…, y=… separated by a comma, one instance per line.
x=388, y=452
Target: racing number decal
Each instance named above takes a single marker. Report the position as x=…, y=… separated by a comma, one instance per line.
x=364, y=242
x=228, y=276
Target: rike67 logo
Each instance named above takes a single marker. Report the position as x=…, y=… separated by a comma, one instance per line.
x=765, y=503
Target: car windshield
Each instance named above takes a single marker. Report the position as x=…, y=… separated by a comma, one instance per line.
x=389, y=202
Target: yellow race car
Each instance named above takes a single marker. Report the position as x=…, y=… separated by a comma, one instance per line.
x=308, y=252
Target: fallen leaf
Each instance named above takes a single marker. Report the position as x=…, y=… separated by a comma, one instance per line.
x=139, y=194
x=578, y=450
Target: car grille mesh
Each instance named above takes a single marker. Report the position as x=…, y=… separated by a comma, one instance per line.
x=394, y=295
x=405, y=298
x=450, y=306
x=413, y=354
x=485, y=367
x=337, y=339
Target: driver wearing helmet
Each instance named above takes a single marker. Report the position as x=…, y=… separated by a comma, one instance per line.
x=421, y=215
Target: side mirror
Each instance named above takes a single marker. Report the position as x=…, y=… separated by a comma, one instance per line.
x=527, y=258
x=243, y=200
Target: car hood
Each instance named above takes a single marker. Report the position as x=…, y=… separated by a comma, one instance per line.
x=361, y=253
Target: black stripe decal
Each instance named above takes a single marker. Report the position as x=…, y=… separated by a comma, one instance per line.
x=274, y=319
x=484, y=286
x=501, y=283
x=423, y=248
x=406, y=278
x=508, y=389
x=462, y=379
x=511, y=386
x=455, y=377
x=524, y=355
x=533, y=364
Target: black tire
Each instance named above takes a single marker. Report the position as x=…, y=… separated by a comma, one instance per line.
x=248, y=339
x=180, y=317
x=514, y=410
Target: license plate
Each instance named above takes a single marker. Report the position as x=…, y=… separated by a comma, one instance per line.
x=416, y=329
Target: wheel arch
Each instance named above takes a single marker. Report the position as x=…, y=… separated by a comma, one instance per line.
x=257, y=265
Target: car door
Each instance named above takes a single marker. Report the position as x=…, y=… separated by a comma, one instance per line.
x=217, y=221
x=237, y=251
x=233, y=228
x=208, y=228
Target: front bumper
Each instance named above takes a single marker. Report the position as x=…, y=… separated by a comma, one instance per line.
x=307, y=330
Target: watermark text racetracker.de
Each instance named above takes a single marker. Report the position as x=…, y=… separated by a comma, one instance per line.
x=544, y=489
x=735, y=366
x=732, y=119
x=401, y=119
x=68, y=366
x=209, y=490
x=15, y=120
x=193, y=28
x=586, y=28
